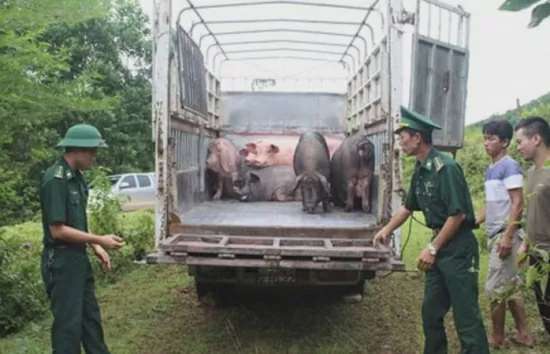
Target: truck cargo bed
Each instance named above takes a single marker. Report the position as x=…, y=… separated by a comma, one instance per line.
x=273, y=214
x=273, y=235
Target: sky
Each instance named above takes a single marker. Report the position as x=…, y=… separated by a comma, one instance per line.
x=508, y=61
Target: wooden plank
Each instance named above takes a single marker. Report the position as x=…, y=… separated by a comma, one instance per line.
x=260, y=263
x=224, y=241
x=268, y=241
x=351, y=252
x=289, y=232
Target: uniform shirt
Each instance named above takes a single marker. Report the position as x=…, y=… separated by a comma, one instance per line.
x=63, y=199
x=439, y=190
x=500, y=177
x=538, y=205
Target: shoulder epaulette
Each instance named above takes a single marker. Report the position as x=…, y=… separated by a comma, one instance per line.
x=58, y=173
x=438, y=163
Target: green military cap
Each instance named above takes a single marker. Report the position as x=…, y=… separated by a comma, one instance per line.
x=82, y=135
x=416, y=121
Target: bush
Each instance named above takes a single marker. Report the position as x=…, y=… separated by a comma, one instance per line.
x=137, y=229
x=22, y=297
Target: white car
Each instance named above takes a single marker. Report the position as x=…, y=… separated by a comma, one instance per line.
x=134, y=190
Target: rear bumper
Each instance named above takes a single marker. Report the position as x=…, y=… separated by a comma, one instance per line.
x=275, y=253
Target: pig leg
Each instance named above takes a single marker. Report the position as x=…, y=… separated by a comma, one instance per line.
x=365, y=200
x=219, y=189
x=325, y=205
x=350, y=195
x=282, y=195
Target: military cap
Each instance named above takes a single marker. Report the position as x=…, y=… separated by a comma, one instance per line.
x=416, y=121
x=82, y=135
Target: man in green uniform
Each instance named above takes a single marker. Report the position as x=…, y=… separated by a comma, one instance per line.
x=66, y=269
x=450, y=260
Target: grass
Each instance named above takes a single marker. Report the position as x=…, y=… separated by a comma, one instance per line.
x=154, y=310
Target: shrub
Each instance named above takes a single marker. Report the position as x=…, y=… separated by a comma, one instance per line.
x=137, y=229
x=22, y=297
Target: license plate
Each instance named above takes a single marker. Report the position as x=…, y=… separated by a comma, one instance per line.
x=276, y=276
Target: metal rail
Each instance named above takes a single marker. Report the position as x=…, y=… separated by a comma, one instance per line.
x=362, y=24
x=286, y=49
x=275, y=30
x=191, y=6
x=286, y=41
x=271, y=57
x=267, y=20
x=278, y=2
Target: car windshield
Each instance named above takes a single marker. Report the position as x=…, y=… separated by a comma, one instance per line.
x=114, y=179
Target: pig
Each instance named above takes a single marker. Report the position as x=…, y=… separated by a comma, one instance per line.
x=224, y=161
x=312, y=168
x=263, y=153
x=277, y=150
x=352, y=170
x=274, y=183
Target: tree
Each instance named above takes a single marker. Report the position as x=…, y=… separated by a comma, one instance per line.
x=538, y=14
x=64, y=62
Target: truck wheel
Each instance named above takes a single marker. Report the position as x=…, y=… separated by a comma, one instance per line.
x=202, y=288
x=220, y=294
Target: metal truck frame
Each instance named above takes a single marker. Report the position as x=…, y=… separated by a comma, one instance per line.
x=187, y=114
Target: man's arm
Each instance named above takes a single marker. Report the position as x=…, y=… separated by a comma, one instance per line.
x=480, y=217
x=448, y=231
x=69, y=234
x=397, y=220
x=506, y=242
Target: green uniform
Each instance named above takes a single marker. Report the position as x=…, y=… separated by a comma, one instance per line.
x=439, y=190
x=66, y=269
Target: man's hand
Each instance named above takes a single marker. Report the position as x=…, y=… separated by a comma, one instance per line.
x=103, y=256
x=381, y=237
x=110, y=241
x=504, y=247
x=425, y=261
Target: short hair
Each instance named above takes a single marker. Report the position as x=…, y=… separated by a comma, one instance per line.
x=501, y=128
x=426, y=136
x=535, y=125
x=69, y=149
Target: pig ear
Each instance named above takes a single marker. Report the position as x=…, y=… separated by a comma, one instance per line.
x=324, y=182
x=298, y=182
x=250, y=147
x=274, y=149
x=254, y=178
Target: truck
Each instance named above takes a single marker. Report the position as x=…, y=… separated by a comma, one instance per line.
x=394, y=56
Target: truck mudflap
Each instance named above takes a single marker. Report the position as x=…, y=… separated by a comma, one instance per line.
x=275, y=252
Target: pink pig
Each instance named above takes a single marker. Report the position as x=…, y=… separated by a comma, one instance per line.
x=278, y=150
x=224, y=160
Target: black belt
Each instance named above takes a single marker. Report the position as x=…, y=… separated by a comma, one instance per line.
x=66, y=246
x=502, y=230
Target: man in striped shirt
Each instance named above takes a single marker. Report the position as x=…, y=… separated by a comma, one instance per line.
x=501, y=214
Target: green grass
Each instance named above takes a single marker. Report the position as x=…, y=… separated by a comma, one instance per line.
x=154, y=310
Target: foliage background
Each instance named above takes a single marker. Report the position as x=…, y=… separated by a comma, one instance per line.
x=62, y=63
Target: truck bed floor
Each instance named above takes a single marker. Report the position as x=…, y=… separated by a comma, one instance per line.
x=273, y=215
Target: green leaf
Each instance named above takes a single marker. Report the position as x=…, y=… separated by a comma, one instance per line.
x=516, y=5
x=544, y=281
x=531, y=276
x=539, y=13
x=540, y=253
